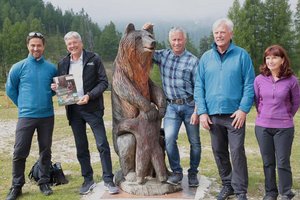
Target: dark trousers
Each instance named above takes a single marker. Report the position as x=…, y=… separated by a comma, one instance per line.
x=24, y=133
x=275, y=145
x=223, y=134
x=78, y=120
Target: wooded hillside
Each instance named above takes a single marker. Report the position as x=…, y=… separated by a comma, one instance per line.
x=258, y=24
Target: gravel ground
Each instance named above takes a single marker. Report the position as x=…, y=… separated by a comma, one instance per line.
x=64, y=151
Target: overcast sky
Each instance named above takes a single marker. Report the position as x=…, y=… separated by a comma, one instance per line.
x=104, y=11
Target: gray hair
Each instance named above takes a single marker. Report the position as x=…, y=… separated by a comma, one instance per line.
x=177, y=29
x=72, y=34
x=222, y=21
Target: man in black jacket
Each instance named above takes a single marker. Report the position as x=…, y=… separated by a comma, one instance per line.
x=91, y=81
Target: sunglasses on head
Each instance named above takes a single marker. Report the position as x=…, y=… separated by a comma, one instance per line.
x=35, y=34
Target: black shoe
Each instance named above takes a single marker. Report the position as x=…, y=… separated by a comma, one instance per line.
x=242, y=197
x=46, y=189
x=269, y=198
x=288, y=197
x=14, y=193
x=193, y=180
x=111, y=188
x=87, y=186
x=225, y=193
x=175, y=178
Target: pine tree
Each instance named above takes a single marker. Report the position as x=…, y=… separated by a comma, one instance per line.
x=205, y=44
x=190, y=46
x=296, y=58
x=248, y=28
x=278, y=23
x=13, y=44
x=109, y=42
x=18, y=18
x=160, y=45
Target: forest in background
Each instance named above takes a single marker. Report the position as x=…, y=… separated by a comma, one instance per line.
x=258, y=24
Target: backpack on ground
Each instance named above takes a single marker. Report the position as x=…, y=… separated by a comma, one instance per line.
x=57, y=176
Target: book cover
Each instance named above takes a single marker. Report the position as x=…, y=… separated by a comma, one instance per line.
x=66, y=91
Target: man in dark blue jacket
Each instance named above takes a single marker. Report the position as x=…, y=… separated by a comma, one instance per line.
x=91, y=81
x=28, y=86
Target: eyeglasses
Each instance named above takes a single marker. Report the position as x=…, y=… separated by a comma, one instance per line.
x=35, y=34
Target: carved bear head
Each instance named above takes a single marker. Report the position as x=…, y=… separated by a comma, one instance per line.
x=136, y=49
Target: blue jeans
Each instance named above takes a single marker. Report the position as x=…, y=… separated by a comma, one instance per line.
x=175, y=115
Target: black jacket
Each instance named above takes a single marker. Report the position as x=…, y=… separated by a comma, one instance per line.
x=94, y=79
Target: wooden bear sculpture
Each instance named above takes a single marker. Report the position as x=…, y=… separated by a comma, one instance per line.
x=138, y=107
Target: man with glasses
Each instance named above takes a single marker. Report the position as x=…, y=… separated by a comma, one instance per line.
x=28, y=86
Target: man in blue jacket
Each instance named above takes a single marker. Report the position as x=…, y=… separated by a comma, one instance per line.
x=28, y=86
x=224, y=95
x=91, y=81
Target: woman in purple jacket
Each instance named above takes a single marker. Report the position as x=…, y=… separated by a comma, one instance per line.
x=277, y=101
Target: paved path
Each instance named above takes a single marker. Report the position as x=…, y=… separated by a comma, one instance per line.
x=187, y=193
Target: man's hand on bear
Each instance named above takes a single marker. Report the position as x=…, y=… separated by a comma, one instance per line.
x=148, y=26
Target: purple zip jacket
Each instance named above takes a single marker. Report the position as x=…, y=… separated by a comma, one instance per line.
x=276, y=101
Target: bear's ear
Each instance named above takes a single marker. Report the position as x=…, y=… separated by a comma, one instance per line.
x=129, y=28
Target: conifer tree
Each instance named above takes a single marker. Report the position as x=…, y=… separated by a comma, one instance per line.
x=296, y=57
x=248, y=28
x=109, y=42
x=13, y=44
x=205, y=44
x=190, y=46
x=278, y=23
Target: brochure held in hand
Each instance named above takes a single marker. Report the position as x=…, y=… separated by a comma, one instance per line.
x=66, y=91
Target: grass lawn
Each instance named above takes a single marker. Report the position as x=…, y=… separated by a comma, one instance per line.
x=64, y=152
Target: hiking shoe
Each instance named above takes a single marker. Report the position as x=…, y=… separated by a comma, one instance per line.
x=111, y=188
x=193, y=180
x=87, y=186
x=242, y=197
x=269, y=198
x=14, y=193
x=175, y=178
x=225, y=193
x=46, y=189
